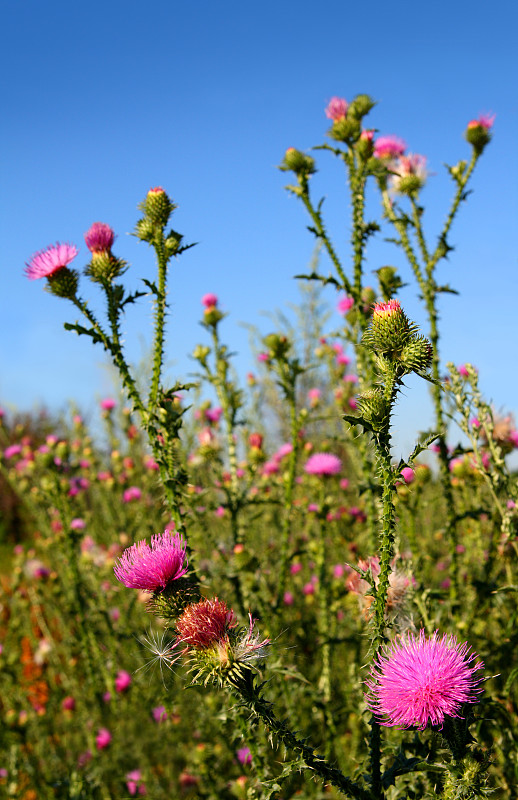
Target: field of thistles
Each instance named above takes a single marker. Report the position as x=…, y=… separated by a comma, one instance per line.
x=234, y=589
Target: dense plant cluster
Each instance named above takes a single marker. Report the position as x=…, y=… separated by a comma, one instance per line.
x=236, y=592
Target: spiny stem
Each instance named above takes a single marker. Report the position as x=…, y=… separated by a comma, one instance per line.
x=160, y=310
x=322, y=235
x=311, y=761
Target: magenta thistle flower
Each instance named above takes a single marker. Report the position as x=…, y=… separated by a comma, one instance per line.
x=153, y=568
x=103, y=738
x=209, y=300
x=323, y=464
x=337, y=109
x=122, y=681
x=484, y=121
x=389, y=147
x=50, y=260
x=417, y=681
x=99, y=237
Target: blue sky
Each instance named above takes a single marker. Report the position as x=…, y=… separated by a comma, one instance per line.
x=104, y=100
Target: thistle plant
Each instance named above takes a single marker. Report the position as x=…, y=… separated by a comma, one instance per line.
x=160, y=413
x=289, y=685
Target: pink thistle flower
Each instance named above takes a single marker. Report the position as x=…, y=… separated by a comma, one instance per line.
x=213, y=414
x=159, y=714
x=78, y=524
x=323, y=464
x=484, y=121
x=134, y=783
x=337, y=109
x=408, y=474
x=412, y=165
x=50, y=260
x=417, y=681
x=99, y=237
x=209, y=300
x=389, y=147
x=68, y=703
x=103, y=738
x=288, y=599
x=345, y=305
x=122, y=681
x=205, y=624
x=462, y=370
x=153, y=568
x=314, y=396
x=283, y=451
x=12, y=450
x=386, y=310
x=108, y=403
x=244, y=755
x=131, y=493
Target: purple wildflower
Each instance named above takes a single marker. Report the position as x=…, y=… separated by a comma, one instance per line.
x=417, y=681
x=48, y=261
x=153, y=568
x=99, y=237
x=323, y=464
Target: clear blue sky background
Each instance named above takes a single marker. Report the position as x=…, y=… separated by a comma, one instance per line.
x=102, y=100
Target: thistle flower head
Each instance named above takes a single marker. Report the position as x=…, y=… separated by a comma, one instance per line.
x=410, y=174
x=323, y=464
x=418, y=681
x=205, y=624
x=336, y=108
x=153, y=568
x=50, y=260
x=99, y=237
x=388, y=147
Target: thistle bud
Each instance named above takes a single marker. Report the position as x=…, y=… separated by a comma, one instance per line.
x=255, y=440
x=200, y=353
x=347, y=130
x=212, y=315
x=372, y=405
x=390, y=328
x=157, y=206
x=478, y=132
x=298, y=162
x=278, y=346
x=63, y=283
x=360, y=106
x=417, y=355
x=365, y=145
x=104, y=266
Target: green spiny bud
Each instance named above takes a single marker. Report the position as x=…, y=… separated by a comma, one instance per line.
x=104, y=267
x=417, y=355
x=172, y=242
x=478, y=132
x=298, y=162
x=348, y=130
x=372, y=405
x=360, y=106
x=63, y=283
x=145, y=230
x=157, y=206
x=278, y=346
x=390, y=329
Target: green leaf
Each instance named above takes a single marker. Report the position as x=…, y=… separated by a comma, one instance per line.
x=358, y=421
x=80, y=330
x=314, y=276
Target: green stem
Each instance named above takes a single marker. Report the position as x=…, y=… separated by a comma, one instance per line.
x=309, y=759
x=160, y=311
x=324, y=627
x=289, y=486
x=322, y=235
